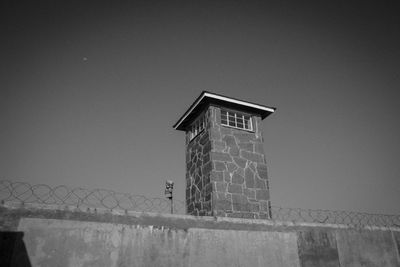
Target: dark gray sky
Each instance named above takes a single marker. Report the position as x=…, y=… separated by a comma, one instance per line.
x=90, y=91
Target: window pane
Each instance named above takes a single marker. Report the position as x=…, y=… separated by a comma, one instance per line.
x=247, y=123
x=223, y=117
x=231, y=120
x=239, y=120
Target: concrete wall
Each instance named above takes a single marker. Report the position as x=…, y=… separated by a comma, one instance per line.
x=48, y=237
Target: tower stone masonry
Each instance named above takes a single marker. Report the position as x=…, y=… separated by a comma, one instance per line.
x=226, y=171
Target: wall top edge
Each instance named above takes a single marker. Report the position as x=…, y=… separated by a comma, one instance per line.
x=166, y=220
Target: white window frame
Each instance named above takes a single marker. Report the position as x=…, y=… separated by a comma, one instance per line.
x=197, y=127
x=235, y=115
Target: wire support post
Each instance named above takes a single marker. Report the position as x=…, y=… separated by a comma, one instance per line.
x=169, y=188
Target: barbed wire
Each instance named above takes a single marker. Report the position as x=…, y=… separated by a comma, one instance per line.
x=81, y=198
x=349, y=218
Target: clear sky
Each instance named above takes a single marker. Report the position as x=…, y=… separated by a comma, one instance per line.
x=90, y=91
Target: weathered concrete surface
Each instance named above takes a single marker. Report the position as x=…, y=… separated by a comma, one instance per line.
x=318, y=248
x=242, y=248
x=43, y=236
x=150, y=246
x=366, y=248
x=73, y=243
x=396, y=239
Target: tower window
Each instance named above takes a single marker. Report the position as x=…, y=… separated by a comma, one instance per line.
x=236, y=120
x=197, y=127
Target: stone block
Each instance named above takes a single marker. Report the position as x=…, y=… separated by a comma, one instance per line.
x=240, y=203
x=207, y=147
x=223, y=205
x=231, y=167
x=259, y=148
x=240, y=162
x=243, y=137
x=249, y=193
x=234, y=151
x=206, y=179
x=197, y=180
x=219, y=166
x=246, y=146
x=207, y=168
x=259, y=183
x=197, y=196
x=218, y=146
x=221, y=186
x=252, y=156
x=216, y=176
x=199, y=163
x=254, y=207
x=262, y=171
x=219, y=196
x=190, y=208
x=216, y=113
x=229, y=141
x=194, y=159
x=222, y=201
x=206, y=158
x=204, y=138
x=262, y=194
x=198, y=206
x=252, y=166
x=221, y=156
x=195, y=146
x=226, y=130
x=193, y=191
x=240, y=171
x=264, y=206
x=208, y=189
x=235, y=188
x=249, y=178
x=207, y=206
x=227, y=177
x=237, y=179
x=215, y=133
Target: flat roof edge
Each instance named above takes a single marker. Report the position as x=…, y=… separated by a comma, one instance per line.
x=206, y=94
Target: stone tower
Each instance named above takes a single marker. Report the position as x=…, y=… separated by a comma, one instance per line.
x=226, y=171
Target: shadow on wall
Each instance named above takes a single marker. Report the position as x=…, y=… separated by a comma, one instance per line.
x=12, y=250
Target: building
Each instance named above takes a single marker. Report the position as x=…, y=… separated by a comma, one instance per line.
x=226, y=171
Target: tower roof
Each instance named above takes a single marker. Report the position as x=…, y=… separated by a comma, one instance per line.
x=206, y=98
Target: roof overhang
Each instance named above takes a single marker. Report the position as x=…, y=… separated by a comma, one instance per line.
x=206, y=98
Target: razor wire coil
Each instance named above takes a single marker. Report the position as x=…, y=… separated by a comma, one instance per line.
x=83, y=199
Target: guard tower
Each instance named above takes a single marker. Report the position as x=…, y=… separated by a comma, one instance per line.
x=226, y=171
